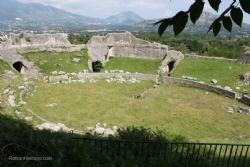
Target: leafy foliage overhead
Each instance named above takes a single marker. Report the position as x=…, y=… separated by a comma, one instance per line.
x=234, y=13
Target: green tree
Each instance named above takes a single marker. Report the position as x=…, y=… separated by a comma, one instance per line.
x=234, y=13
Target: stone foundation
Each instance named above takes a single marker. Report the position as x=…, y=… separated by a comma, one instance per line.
x=245, y=58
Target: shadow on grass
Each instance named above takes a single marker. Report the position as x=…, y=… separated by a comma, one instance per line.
x=22, y=145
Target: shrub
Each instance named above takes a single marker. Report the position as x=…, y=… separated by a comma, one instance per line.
x=21, y=36
x=27, y=39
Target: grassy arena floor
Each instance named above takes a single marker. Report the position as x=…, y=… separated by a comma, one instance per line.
x=226, y=73
x=147, y=66
x=52, y=61
x=57, y=61
x=177, y=110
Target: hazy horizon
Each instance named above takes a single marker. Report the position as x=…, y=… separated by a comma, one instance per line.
x=148, y=9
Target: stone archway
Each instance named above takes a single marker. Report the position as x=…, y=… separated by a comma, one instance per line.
x=97, y=66
x=170, y=62
x=171, y=66
x=19, y=66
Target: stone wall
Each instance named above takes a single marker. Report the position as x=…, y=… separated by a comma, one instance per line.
x=71, y=48
x=245, y=58
x=11, y=57
x=139, y=51
x=216, y=89
x=195, y=84
x=211, y=58
x=245, y=100
x=100, y=48
x=138, y=76
x=36, y=40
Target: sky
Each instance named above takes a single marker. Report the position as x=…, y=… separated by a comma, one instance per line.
x=148, y=9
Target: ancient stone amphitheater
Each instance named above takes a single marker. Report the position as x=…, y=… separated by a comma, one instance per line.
x=100, y=48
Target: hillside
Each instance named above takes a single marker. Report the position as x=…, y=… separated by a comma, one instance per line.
x=33, y=15
x=201, y=25
x=124, y=18
x=15, y=15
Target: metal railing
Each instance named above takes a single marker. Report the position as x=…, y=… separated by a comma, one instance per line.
x=171, y=153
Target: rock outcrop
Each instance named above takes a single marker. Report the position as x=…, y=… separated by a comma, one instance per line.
x=245, y=58
x=101, y=48
x=172, y=59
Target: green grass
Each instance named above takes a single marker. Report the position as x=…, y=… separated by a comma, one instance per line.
x=226, y=73
x=52, y=61
x=148, y=66
x=4, y=66
x=177, y=110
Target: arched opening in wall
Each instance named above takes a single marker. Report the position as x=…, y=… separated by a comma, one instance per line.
x=171, y=66
x=97, y=66
x=110, y=52
x=18, y=66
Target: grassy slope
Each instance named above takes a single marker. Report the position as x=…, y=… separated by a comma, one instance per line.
x=227, y=74
x=133, y=64
x=51, y=61
x=4, y=66
x=169, y=107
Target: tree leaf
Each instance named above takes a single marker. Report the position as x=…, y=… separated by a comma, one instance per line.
x=196, y=10
x=180, y=22
x=245, y=5
x=215, y=4
x=237, y=15
x=173, y=19
x=164, y=25
x=216, y=27
x=158, y=22
x=227, y=23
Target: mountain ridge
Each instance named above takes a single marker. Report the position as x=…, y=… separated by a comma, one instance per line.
x=202, y=24
x=124, y=18
x=17, y=16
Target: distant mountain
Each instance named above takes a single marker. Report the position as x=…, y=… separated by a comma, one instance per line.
x=17, y=16
x=124, y=18
x=201, y=25
x=15, y=12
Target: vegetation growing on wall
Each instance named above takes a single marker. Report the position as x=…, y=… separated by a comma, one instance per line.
x=82, y=38
x=27, y=39
x=21, y=36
